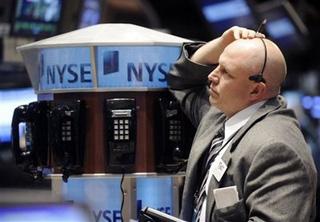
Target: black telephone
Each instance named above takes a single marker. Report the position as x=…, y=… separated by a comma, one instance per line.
x=29, y=137
x=120, y=131
x=66, y=136
x=173, y=135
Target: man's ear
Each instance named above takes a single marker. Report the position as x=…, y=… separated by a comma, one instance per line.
x=257, y=91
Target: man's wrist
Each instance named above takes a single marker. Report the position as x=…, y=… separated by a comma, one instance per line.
x=209, y=53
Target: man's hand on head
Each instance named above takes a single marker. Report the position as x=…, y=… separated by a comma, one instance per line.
x=209, y=53
x=237, y=32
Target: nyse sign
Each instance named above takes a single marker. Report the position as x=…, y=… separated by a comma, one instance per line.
x=135, y=66
x=117, y=67
x=105, y=202
x=63, y=68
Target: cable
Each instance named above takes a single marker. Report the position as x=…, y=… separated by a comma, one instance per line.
x=122, y=193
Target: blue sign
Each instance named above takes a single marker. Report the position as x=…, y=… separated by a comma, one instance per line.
x=103, y=196
x=117, y=67
x=135, y=66
x=65, y=68
x=155, y=193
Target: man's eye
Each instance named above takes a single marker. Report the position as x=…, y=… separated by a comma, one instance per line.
x=224, y=71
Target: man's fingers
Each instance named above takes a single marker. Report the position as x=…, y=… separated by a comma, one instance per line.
x=244, y=33
x=260, y=35
x=236, y=34
x=250, y=34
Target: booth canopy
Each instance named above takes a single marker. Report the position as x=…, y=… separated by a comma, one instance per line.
x=102, y=57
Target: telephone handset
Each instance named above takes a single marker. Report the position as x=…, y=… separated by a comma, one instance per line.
x=171, y=129
x=66, y=136
x=121, y=130
x=173, y=132
x=21, y=135
x=29, y=137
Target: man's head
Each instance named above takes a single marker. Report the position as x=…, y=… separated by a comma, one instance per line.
x=230, y=88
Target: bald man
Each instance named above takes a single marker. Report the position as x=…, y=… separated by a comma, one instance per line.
x=262, y=169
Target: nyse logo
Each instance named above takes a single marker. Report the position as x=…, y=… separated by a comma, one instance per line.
x=67, y=73
x=110, y=62
x=136, y=71
x=107, y=215
x=150, y=72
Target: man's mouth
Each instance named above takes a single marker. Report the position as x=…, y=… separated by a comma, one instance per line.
x=213, y=92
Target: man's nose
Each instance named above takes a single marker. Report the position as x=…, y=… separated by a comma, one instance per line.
x=213, y=77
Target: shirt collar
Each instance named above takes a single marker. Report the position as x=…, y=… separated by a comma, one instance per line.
x=238, y=120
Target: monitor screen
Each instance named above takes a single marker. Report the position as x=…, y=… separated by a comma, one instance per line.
x=36, y=18
x=90, y=13
x=9, y=100
x=222, y=15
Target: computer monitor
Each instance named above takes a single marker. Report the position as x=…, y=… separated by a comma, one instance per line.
x=36, y=18
x=90, y=13
x=221, y=15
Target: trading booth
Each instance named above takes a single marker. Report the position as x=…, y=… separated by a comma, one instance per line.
x=104, y=128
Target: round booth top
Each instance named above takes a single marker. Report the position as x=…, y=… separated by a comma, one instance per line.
x=108, y=34
x=115, y=57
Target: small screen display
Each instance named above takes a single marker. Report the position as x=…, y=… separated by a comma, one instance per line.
x=90, y=13
x=222, y=15
x=36, y=17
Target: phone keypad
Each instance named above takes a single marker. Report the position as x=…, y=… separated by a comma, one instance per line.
x=121, y=129
x=174, y=130
x=66, y=131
